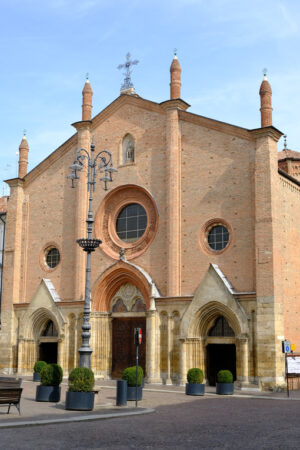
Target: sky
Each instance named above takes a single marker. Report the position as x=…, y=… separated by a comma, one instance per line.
x=47, y=47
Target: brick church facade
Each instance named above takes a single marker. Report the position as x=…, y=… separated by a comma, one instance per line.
x=200, y=236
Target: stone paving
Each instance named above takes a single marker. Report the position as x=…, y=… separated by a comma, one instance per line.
x=38, y=413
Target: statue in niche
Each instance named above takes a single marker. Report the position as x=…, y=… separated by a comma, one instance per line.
x=128, y=149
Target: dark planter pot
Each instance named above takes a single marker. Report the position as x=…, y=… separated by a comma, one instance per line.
x=121, y=392
x=36, y=376
x=194, y=389
x=131, y=393
x=80, y=401
x=47, y=394
x=224, y=388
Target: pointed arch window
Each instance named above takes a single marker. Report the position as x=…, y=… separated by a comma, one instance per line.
x=50, y=330
x=221, y=328
x=119, y=306
x=128, y=155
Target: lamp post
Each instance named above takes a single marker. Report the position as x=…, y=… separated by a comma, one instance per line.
x=101, y=162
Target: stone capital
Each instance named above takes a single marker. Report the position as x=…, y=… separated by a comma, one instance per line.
x=266, y=132
x=175, y=104
x=15, y=182
x=82, y=125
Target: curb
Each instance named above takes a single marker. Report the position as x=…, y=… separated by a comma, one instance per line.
x=212, y=394
x=25, y=423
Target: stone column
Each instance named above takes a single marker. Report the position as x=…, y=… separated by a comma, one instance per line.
x=20, y=355
x=183, y=361
x=169, y=380
x=244, y=355
x=150, y=345
x=60, y=354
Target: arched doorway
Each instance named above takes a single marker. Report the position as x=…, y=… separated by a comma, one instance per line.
x=220, y=350
x=48, y=343
x=128, y=312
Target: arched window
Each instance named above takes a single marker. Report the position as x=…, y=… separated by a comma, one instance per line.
x=119, y=306
x=139, y=306
x=221, y=328
x=128, y=149
x=50, y=330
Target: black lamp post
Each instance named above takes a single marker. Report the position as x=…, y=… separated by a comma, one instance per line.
x=103, y=163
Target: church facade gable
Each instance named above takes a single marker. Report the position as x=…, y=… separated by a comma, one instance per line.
x=193, y=199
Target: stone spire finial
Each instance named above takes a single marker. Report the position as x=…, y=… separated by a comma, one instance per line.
x=87, y=97
x=175, y=84
x=266, y=109
x=23, y=156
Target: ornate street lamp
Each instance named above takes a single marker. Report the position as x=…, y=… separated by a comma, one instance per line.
x=103, y=163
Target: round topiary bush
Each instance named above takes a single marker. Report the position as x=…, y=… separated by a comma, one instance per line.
x=129, y=375
x=81, y=379
x=38, y=366
x=195, y=376
x=51, y=375
x=224, y=376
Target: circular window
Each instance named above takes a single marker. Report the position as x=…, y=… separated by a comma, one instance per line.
x=131, y=222
x=52, y=257
x=126, y=220
x=218, y=237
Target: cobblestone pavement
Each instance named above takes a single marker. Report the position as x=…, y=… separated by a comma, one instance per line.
x=246, y=421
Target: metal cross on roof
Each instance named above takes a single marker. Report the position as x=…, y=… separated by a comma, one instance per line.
x=285, y=144
x=127, y=80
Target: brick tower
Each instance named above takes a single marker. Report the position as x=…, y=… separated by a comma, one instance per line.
x=87, y=96
x=175, y=84
x=265, y=93
x=23, y=157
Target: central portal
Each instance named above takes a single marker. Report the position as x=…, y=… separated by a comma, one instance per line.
x=123, y=347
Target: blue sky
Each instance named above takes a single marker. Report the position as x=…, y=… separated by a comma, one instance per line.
x=48, y=46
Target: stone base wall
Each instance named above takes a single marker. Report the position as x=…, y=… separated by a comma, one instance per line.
x=169, y=353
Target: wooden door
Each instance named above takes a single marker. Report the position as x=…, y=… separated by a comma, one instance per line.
x=123, y=347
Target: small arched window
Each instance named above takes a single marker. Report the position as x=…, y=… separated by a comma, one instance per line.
x=128, y=149
x=50, y=330
x=221, y=328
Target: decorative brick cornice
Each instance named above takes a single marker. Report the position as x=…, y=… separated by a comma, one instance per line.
x=122, y=100
x=176, y=103
x=51, y=159
x=272, y=132
x=216, y=125
x=288, y=177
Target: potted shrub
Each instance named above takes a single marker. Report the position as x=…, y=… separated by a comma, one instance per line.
x=37, y=370
x=49, y=389
x=194, y=386
x=80, y=395
x=129, y=375
x=224, y=382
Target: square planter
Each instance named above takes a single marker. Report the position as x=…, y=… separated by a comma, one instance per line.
x=131, y=393
x=194, y=389
x=80, y=401
x=224, y=388
x=47, y=394
x=36, y=376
